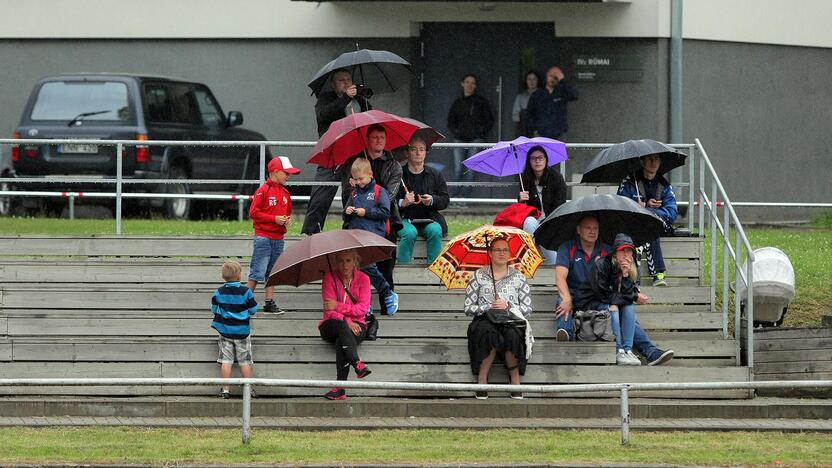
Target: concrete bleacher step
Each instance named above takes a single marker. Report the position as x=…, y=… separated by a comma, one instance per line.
x=357, y=408
x=418, y=372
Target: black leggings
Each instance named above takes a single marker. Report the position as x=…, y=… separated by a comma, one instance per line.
x=346, y=344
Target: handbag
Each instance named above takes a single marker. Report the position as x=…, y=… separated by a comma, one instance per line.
x=593, y=325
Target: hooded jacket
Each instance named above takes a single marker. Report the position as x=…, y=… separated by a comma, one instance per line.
x=609, y=286
x=376, y=212
x=388, y=173
x=668, y=211
x=269, y=200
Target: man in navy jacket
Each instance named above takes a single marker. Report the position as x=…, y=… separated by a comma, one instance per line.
x=547, y=106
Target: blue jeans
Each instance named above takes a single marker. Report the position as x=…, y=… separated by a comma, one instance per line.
x=263, y=257
x=641, y=342
x=377, y=280
x=460, y=172
x=623, y=325
x=530, y=225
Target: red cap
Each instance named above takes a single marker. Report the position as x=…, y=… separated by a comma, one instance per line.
x=282, y=163
x=624, y=246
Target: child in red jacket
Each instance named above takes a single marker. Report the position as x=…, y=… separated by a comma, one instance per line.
x=270, y=213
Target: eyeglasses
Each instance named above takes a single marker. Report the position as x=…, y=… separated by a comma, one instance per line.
x=501, y=251
x=418, y=148
x=538, y=158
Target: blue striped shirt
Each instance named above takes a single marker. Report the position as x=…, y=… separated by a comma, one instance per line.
x=233, y=305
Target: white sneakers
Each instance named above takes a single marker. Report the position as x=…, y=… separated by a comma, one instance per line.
x=627, y=358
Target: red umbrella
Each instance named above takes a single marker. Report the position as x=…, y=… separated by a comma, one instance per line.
x=308, y=259
x=347, y=137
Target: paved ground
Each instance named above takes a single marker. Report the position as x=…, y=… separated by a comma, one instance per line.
x=785, y=425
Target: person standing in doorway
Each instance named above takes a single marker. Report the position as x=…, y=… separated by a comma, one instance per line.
x=547, y=106
x=331, y=106
x=469, y=120
x=519, y=113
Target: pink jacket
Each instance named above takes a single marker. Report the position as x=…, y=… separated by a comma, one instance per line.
x=333, y=288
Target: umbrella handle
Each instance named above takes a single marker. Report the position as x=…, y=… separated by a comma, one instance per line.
x=517, y=165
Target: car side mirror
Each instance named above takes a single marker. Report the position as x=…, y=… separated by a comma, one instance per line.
x=235, y=118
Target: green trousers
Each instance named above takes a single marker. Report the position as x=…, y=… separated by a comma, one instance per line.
x=432, y=232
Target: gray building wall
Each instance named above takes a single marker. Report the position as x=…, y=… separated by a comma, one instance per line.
x=265, y=79
x=763, y=113
x=752, y=105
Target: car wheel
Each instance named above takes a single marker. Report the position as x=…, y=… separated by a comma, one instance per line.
x=178, y=208
x=5, y=200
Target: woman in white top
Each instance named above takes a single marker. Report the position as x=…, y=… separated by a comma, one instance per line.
x=521, y=102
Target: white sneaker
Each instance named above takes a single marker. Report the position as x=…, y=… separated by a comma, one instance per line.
x=621, y=358
x=633, y=360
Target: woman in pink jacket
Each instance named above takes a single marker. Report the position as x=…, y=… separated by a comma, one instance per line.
x=346, y=297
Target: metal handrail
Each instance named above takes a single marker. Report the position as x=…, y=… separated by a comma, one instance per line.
x=718, y=191
x=622, y=388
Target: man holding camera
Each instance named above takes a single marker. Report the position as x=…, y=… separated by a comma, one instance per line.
x=332, y=105
x=425, y=193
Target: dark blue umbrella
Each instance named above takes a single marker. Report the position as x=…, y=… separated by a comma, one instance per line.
x=618, y=161
x=614, y=213
x=509, y=157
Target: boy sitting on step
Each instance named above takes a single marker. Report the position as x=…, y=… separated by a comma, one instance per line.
x=233, y=305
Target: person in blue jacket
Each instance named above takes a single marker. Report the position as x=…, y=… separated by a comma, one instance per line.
x=652, y=191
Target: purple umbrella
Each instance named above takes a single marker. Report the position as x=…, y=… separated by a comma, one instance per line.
x=509, y=157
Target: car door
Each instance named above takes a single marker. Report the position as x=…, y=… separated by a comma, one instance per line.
x=226, y=162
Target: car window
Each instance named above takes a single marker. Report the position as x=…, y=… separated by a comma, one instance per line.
x=87, y=100
x=171, y=103
x=208, y=108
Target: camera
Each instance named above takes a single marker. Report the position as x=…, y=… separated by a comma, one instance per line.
x=364, y=91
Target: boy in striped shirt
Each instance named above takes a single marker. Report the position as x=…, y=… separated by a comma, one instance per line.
x=233, y=305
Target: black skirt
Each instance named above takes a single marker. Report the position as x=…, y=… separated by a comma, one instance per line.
x=485, y=336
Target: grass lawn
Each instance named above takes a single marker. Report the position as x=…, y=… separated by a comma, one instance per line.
x=810, y=249
x=173, y=446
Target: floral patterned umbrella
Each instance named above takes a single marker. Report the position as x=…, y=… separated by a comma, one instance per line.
x=466, y=253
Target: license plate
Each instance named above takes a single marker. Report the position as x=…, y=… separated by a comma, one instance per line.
x=77, y=148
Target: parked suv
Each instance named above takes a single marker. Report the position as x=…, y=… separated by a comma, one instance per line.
x=133, y=107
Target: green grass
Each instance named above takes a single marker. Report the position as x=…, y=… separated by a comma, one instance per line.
x=174, y=446
x=823, y=221
x=160, y=227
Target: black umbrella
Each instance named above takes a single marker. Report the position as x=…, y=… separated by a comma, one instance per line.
x=371, y=69
x=620, y=160
x=615, y=214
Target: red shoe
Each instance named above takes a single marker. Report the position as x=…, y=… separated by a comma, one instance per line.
x=336, y=394
x=361, y=370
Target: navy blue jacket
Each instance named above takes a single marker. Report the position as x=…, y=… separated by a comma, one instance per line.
x=668, y=211
x=377, y=212
x=547, y=112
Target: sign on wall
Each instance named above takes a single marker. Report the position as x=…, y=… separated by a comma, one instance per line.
x=607, y=67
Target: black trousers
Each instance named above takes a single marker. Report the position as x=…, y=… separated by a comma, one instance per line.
x=346, y=344
x=320, y=200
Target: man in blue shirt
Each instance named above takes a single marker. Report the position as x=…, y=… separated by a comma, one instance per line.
x=574, y=261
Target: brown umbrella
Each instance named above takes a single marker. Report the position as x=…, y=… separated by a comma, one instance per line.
x=307, y=260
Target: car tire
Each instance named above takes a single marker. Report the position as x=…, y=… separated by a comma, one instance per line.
x=178, y=208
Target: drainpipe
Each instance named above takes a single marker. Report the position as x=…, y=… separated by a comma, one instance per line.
x=676, y=134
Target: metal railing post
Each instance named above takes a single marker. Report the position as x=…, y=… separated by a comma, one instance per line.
x=119, y=168
x=691, y=187
x=246, y=413
x=72, y=207
x=738, y=302
x=749, y=309
x=262, y=164
x=726, y=239
x=240, y=202
x=625, y=416
x=712, y=219
x=701, y=201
